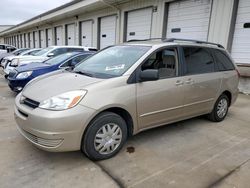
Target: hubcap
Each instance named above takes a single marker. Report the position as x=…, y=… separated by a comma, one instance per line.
x=108, y=138
x=222, y=108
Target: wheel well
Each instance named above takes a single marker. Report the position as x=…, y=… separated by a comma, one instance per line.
x=229, y=95
x=125, y=115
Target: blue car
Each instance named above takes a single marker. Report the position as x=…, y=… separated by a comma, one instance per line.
x=23, y=74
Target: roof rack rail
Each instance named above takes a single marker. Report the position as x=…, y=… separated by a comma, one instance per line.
x=138, y=40
x=195, y=41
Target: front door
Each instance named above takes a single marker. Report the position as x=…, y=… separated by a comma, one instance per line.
x=160, y=102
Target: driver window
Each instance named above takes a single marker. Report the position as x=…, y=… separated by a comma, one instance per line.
x=164, y=61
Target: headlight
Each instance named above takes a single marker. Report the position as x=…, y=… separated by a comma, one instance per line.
x=63, y=101
x=14, y=62
x=24, y=75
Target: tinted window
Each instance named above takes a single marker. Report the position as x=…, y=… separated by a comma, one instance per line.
x=223, y=62
x=2, y=47
x=198, y=60
x=75, y=50
x=164, y=61
x=75, y=60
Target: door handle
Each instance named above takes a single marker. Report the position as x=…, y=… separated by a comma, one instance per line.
x=189, y=81
x=179, y=83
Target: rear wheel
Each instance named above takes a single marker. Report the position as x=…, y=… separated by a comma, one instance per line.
x=105, y=136
x=220, y=109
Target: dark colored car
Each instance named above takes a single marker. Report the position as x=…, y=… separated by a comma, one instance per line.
x=23, y=74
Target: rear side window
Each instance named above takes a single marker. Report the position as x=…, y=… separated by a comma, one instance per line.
x=2, y=47
x=222, y=61
x=198, y=60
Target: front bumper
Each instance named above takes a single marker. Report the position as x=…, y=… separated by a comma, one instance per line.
x=17, y=85
x=53, y=130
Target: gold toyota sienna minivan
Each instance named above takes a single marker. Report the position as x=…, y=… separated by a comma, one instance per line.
x=123, y=90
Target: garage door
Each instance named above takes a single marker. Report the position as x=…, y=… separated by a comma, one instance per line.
x=26, y=40
x=31, y=40
x=58, y=36
x=107, y=31
x=42, y=39
x=36, y=38
x=70, y=34
x=21, y=41
x=189, y=19
x=48, y=37
x=139, y=24
x=86, y=33
x=241, y=42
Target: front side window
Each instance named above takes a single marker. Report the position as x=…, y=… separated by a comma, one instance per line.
x=223, y=62
x=112, y=61
x=198, y=60
x=164, y=61
x=75, y=60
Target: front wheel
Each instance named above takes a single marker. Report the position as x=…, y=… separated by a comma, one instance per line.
x=105, y=136
x=220, y=109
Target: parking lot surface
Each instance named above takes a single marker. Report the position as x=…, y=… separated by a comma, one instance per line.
x=191, y=153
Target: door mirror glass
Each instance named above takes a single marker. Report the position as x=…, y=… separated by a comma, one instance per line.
x=50, y=55
x=149, y=75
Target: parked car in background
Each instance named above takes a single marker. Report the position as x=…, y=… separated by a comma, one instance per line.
x=19, y=77
x=15, y=53
x=6, y=48
x=50, y=52
x=125, y=89
x=8, y=61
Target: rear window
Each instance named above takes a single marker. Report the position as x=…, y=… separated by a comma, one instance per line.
x=222, y=61
x=198, y=60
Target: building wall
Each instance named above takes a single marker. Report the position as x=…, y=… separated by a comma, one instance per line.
x=219, y=26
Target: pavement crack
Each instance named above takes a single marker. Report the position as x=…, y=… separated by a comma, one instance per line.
x=221, y=179
x=109, y=174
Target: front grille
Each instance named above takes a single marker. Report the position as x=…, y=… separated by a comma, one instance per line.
x=31, y=103
x=42, y=141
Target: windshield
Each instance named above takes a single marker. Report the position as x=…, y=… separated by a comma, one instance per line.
x=58, y=59
x=111, y=62
x=43, y=51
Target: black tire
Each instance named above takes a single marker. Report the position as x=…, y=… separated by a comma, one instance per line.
x=88, y=140
x=213, y=116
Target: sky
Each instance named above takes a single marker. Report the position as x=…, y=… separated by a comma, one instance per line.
x=13, y=12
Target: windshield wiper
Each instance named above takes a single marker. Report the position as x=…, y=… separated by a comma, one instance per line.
x=84, y=73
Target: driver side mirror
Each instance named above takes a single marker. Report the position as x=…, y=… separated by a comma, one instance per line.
x=149, y=75
x=50, y=55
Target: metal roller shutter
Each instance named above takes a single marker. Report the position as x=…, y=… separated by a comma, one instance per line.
x=189, y=19
x=36, y=38
x=107, y=31
x=70, y=34
x=58, y=36
x=86, y=33
x=241, y=43
x=42, y=39
x=139, y=24
x=48, y=37
x=31, y=40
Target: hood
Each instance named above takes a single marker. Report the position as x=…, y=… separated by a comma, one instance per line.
x=32, y=58
x=32, y=66
x=57, y=83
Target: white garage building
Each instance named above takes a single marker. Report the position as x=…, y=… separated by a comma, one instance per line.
x=101, y=23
